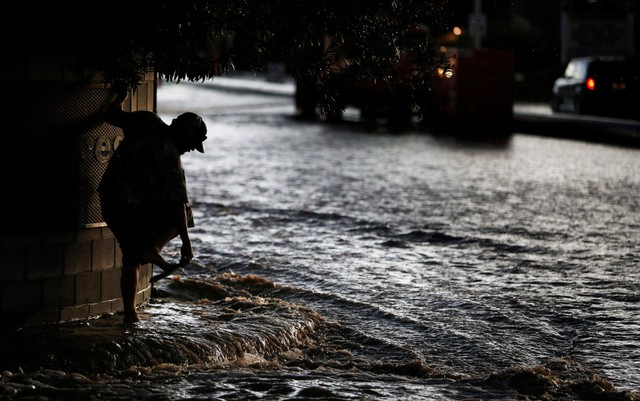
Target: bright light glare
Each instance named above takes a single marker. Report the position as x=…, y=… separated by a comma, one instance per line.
x=445, y=73
x=457, y=31
x=591, y=84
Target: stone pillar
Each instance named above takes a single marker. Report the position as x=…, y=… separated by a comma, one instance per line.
x=59, y=261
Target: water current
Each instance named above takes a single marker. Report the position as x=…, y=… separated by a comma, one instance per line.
x=353, y=262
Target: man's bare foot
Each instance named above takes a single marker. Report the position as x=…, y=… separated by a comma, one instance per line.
x=165, y=273
x=131, y=317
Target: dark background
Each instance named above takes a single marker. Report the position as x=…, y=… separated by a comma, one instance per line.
x=532, y=30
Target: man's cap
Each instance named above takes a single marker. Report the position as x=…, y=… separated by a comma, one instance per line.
x=193, y=126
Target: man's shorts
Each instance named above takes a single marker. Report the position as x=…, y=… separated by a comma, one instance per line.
x=138, y=226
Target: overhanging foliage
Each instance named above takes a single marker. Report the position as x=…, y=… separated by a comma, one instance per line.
x=200, y=39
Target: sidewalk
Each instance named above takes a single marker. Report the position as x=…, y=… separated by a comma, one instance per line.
x=540, y=120
x=254, y=83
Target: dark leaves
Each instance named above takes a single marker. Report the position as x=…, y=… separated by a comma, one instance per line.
x=200, y=39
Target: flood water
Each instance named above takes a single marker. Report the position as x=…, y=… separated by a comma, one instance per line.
x=350, y=262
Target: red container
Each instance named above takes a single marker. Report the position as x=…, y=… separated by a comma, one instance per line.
x=477, y=89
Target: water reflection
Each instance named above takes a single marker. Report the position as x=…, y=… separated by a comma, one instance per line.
x=341, y=263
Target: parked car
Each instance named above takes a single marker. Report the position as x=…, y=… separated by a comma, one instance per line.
x=599, y=85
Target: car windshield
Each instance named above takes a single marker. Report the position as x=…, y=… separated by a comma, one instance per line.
x=576, y=69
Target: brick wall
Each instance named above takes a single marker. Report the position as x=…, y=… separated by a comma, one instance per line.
x=56, y=276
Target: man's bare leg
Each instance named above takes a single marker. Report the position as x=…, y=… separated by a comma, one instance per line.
x=153, y=256
x=129, y=289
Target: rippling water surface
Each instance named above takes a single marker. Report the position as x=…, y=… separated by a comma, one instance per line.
x=350, y=262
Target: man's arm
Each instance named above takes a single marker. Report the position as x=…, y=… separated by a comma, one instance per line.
x=115, y=113
x=186, y=251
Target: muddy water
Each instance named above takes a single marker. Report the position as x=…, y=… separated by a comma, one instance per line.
x=348, y=262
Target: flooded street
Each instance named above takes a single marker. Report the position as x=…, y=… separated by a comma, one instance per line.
x=348, y=262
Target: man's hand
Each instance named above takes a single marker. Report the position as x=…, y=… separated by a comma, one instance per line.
x=122, y=91
x=186, y=254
